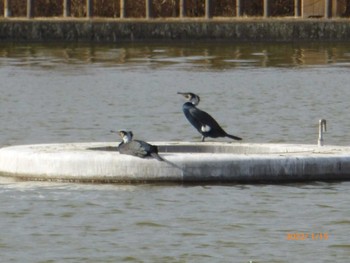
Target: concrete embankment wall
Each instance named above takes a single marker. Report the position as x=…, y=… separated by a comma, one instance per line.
x=116, y=30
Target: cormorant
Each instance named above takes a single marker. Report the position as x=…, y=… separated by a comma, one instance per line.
x=136, y=147
x=202, y=121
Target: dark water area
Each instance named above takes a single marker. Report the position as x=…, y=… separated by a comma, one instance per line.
x=264, y=93
x=225, y=55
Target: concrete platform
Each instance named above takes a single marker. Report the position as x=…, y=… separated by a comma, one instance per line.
x=199, y=163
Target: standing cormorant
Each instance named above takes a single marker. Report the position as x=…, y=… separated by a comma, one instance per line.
x=202, y=121
x=136, y=147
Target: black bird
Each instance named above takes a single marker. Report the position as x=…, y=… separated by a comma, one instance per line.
x=202, y=121
x=136, y=147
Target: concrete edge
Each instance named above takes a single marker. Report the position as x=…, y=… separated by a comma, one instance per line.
x=116, y=30
x=213, y=163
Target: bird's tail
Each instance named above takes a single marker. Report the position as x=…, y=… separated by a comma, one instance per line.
x=156, y=156
x=233, y=137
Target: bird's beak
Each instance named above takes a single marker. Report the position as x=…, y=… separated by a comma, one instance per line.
x=182, y=93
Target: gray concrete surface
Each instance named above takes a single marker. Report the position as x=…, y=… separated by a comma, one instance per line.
x=199, y=163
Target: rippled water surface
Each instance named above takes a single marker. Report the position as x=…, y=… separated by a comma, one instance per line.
x=261, y=92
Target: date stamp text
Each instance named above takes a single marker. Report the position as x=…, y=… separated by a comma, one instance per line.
x=307, y=236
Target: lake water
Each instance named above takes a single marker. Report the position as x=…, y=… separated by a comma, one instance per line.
x=272, y=93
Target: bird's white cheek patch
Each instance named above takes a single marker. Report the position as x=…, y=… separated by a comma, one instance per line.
x=205, y=128
x=126, y=139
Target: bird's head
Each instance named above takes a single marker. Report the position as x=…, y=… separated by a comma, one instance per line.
x=126, y=135
x=191, y=97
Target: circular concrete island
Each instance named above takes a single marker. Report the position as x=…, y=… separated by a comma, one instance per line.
x=186, y=162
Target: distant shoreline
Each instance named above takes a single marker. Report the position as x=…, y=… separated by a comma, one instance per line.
x=190, y=29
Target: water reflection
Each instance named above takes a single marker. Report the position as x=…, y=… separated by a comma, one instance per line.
x=204, y=55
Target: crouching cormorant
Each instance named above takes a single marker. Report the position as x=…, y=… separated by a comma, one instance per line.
x=202, y=121
x=136, y=147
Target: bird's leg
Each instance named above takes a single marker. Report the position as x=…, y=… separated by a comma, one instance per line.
x=203, y=138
